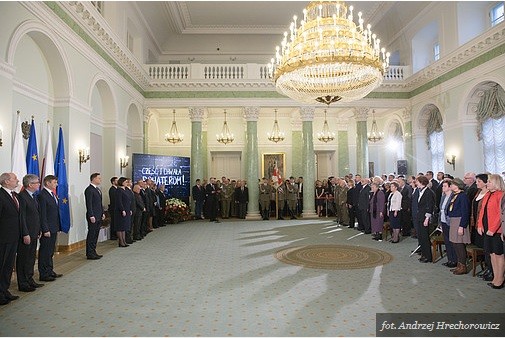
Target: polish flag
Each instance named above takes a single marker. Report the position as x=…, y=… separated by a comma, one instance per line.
x=276, y=175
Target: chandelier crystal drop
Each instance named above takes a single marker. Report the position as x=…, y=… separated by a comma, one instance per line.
x=173, y=136
x=325, y=136
x=327, y=57
x=276, y=135
x=225, y=137
x=375, y=135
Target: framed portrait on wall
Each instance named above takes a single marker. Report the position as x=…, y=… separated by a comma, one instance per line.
x=271, y=160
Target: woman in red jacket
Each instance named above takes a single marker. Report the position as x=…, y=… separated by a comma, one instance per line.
x=489, y=222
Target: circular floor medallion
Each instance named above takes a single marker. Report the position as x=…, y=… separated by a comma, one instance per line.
x=333, y=257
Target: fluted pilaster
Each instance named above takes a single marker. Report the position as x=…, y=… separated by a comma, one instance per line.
x=251, y=115
x=361, y=115
x=309, y=164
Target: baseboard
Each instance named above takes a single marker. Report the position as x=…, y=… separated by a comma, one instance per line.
x=71, y=247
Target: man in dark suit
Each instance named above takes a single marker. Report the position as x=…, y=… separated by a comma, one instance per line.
x=211, y=192
x=406, y=211
x=198, y=194
x=26, y=253
x=112, y=204
x=50, y=225
x=425, y=209
x=10, y=233
x=242, y=198
x=94, y=215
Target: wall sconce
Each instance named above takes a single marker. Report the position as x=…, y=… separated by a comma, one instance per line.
x=1, y=135
x=123, y=162
x=83, y=157
x=452, y=162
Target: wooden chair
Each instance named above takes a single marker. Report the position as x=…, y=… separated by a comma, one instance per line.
x=436, y=243
x=475, y=254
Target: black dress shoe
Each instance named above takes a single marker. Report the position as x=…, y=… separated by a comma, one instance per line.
x=36, y=285
x=27, y=289
x=425, y=260
x=11, y=297
x=488, y=277
x=98, y=255
x=4, y=301
x=47, y=279
x=496, y=286
x=92, y=257
x=57, y=275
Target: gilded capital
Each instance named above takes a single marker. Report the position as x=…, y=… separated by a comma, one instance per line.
x=407, y=113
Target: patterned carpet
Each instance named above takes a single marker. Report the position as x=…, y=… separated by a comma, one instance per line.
x=333, y=257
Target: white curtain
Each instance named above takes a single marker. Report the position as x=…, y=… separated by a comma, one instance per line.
x=493, y=137
x=436, y=139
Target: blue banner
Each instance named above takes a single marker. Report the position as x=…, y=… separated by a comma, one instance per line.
x=60, y=171
x=32, y=155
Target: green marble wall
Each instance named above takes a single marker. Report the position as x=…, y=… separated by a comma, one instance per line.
x=343, y=152
x=361, y=149
x=296, y=155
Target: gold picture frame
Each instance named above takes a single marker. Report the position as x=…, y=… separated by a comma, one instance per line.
x=268, y=161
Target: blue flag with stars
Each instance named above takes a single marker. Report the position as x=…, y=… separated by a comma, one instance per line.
x=32, y=155
x=60, y=171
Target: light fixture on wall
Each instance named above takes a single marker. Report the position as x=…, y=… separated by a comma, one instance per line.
x=375, y=135
x=123, y=163
x=83, y=156
x=1, y=136
x=326, y=135
x=225, y=137
x=173, y=136
x=328, y=57
x=276, y=135
x=452, y=161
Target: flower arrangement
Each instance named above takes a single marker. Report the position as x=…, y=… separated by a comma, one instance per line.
x=176, y=211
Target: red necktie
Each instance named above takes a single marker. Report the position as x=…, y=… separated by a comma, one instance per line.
x=15, y=199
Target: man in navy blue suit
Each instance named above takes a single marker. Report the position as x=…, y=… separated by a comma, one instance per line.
x=25, y=260
x=94, y=215
x=10, y=233
x=50, y=225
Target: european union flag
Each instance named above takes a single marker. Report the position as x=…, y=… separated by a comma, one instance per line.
x=60, y=171
x=32, y=155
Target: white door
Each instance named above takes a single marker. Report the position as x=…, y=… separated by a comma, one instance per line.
x=325, y=164
x=226, y=163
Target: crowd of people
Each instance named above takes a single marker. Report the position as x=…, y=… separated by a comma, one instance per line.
x=465, y=211
x=31, y=218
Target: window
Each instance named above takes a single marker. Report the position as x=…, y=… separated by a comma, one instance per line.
x=129, y=41
x=496, y=14
x=98, y=5
x=436, y=51
x=493, y=138
x=437, y=151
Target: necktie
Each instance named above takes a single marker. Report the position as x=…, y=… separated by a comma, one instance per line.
x=54, y=196
x=99, y=191
x=15, y=199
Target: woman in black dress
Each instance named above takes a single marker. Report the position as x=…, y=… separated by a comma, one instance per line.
x=122, y=211
x=320, y=197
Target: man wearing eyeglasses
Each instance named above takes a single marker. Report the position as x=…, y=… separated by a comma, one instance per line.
x=25, y=260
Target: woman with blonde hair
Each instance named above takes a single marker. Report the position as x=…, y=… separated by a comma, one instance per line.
x=489, y=223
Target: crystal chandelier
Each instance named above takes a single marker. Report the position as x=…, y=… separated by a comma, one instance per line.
x=374, y=135
x=225, y=137
x=276, y=135
x=328, y=57
x=325, y=136
x=173, y=136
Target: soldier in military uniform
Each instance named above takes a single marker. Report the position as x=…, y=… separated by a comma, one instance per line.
x=265, y=190
x=292, y=196
x=227, y=191
x=281, y=198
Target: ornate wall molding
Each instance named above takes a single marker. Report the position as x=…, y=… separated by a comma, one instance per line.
x=307, y=113
x=361, y=113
